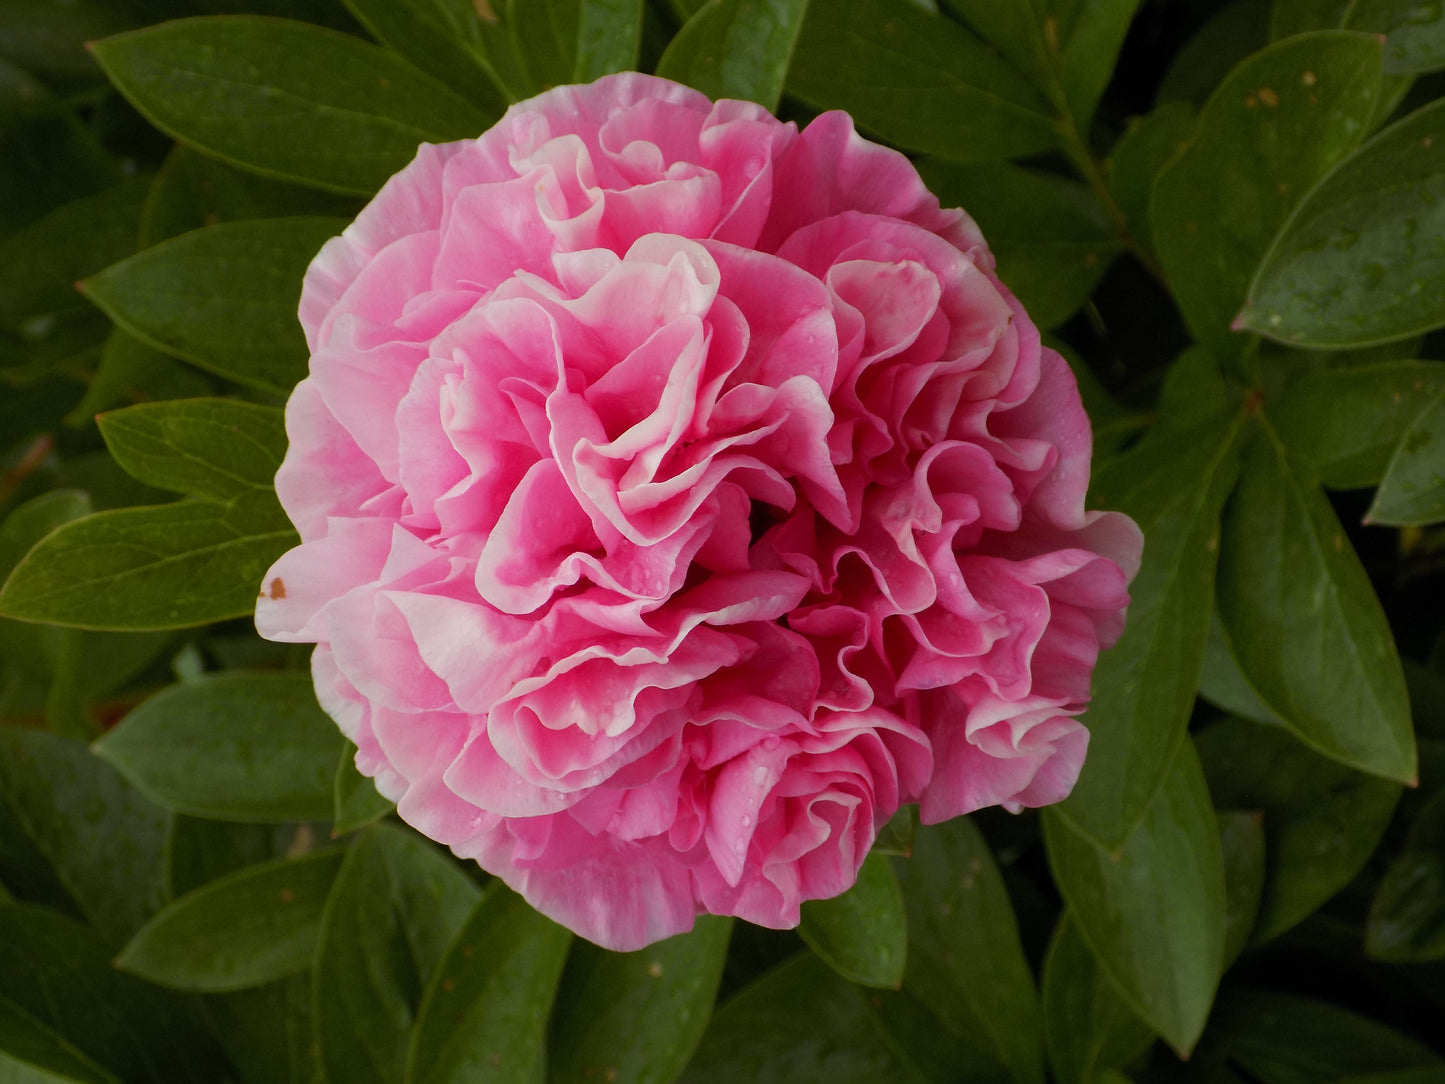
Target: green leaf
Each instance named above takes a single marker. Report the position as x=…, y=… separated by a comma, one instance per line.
x=1232, y=33
x=1194, y=391
x=1087, y=1024
x=50, y=347
x=1346, y=423
x=1017, y=31
x=236, y=746
x=40, y=264
x=1052, y=239
x=965, y=961
x=71, y=829
x=862, y=934
x=800, y=1021
x=1068, y=49
x=636, y=1016
x=246, y=929
x=484, y=1015
x=1173, y=484
x=918, y=80
x=285, y=98
x=223, y=297
x=29, y=657
x=91, y=675
x=686, y=9
x=200, y=850
x=394, y=910
x=609, y=36
x=163, y=567
x=1145, y=148
x=58, y=973
x=1153, y=913
x=555, y=42
x=1303, y=619
x=544, y=39
x=1285, y=1039
x=1089, y=51
x=131, y=371
x=1424, y=1074
x=216, y=448
x=896, y=836
x=36, y=518
x=355, y=800
x=1280, y=120
x=496, y=42
x=192, y=190
x=47, y=37
x=1113, y=424
x=1407, y=916
x=51, y=157
x=1413, y=489
x=1223, y=683
x=737, y=49
x=32, y=1053
x=1360, y=261
x=442, y=38
x=1289, y=17
x=1414, y=32
x=266, y=1031
x=1242, y=841
x=1321, y=822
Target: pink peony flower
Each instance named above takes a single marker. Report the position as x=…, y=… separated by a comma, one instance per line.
x=680, y=494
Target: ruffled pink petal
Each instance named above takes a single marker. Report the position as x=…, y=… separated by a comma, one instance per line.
x=324, y=473
x=679, y=495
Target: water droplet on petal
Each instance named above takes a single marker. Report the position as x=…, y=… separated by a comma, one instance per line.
x=760, y=775
x=747, y=822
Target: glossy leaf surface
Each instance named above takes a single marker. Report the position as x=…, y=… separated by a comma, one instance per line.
x=216, y=448
x=1144, y=686
x=1153, y=914
x=484, y=1014
x=1304, y=621
x=800, y=1021
x=862, y=934
x=236, y=746
x=247, y=929
x=965, y=961
x=164, y=567
x=1362, y=260
x=639, y=1014
x=1407, y=915
x=1347, y=423
x=223, y=297
x=1412, y=491
x=736, y=49
x=75, y=835
x=1321, y=820
x=396, y=906
x=1279, y=121
x=917, y=80
x=1087, y=1023
x=286, y=98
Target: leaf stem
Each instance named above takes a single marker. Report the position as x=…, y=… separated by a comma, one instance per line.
x=1088, y=167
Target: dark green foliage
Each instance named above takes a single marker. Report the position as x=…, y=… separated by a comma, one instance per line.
x=1225, y=217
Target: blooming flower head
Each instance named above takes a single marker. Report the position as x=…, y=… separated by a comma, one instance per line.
x=680, y=494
